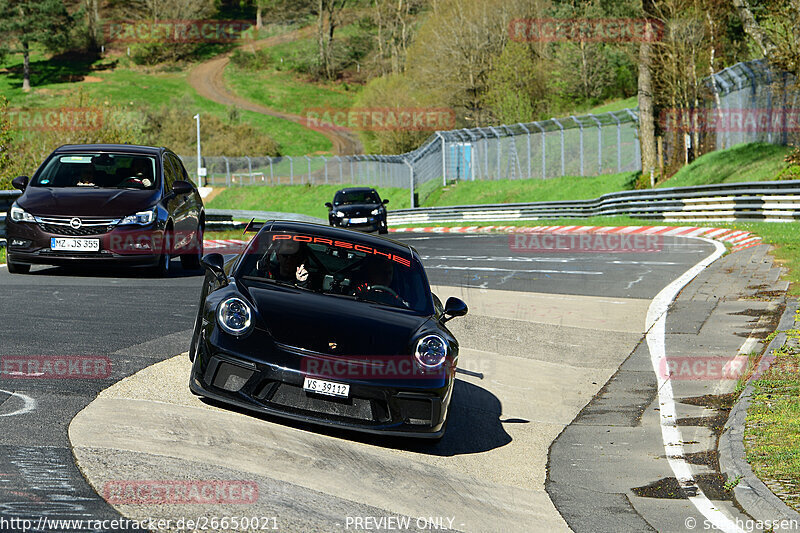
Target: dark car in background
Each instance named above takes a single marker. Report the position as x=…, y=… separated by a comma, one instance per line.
x=358, y=208
x=328, y=326
x=106, y=204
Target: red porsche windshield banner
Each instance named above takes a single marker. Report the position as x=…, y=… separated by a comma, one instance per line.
x=345, y=245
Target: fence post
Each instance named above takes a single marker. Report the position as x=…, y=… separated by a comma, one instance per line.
x=619, y=141
x=341, y=172
x=411, y=180
x=499, y=146
x=227, y=172
x=544, y=149
x=580, y=134
x=751, y=77
x=249, y=169
x=444, y=161
x=271, y=174
x=739, y=91
x=599, y=144
x=528, y=136
x=309, y=169
x=291, y=170
x=561, y=128
x=325, y=164
x=637, y=153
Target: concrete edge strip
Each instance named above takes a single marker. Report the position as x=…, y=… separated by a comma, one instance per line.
x=738, y=238
x=750, y=492
x=670, y=432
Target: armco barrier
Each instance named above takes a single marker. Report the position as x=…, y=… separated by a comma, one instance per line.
x=6, y=199
x=777, y=201
x=766, y=200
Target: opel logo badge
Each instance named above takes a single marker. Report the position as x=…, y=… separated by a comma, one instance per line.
x=332, y=345
x=75, y=223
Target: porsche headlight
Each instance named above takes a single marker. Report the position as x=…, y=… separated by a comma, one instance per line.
x=20, y=215
x=431, y=351
x=340, y=214
x=374, y=211
x=234, y=316
x=142, y=218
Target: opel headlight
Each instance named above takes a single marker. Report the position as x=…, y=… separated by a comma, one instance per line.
x=20, y=215
x=142, y=218
x=340, y=214
x=374, y=211
x=234, y=316
x=431, y=351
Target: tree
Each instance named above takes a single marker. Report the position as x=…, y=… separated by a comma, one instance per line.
x=26, y=22
x=514, y=85
x=454, y=50
x=5, y=144
x=647, y=137
x=774, y=29
x=328, y=14
x=393, y=21
x=752, y=27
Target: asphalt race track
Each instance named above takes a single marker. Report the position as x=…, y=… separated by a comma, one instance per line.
x=555, y=421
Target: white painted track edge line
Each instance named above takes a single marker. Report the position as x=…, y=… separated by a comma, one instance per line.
x=670, y=432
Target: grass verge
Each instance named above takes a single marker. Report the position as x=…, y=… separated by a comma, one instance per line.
x=2, y=255
x=772, y=430
x=137, y=89
x=745, y=162
x=531, y=190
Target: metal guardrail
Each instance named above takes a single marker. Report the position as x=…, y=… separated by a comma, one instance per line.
x=6, y=199
x=765, y=200
x=770, y=201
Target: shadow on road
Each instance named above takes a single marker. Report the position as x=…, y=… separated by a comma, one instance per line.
x=473, y=426
x=111, y=271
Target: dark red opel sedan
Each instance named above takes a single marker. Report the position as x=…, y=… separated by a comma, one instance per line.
x=115, y=203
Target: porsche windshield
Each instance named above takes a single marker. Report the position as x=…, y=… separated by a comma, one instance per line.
x=356, y=197
x=338, y=268
x=99, y=170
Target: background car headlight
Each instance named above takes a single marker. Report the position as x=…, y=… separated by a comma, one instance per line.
x=20, y=215
x=431, y=351
x=340, y=214
x=374, y=211
x=234, y=316
x=142, y=218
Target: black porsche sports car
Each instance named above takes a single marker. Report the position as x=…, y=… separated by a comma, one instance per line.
x=328, y=326
x=359, y=208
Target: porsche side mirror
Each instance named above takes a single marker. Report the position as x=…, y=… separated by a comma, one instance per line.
x=215, y=264
x=20, y=182
x=329, y=205
x=454, y=307
x=182, y=187
x=385, y=201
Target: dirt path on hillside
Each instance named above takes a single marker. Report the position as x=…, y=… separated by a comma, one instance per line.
x=207, y=79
